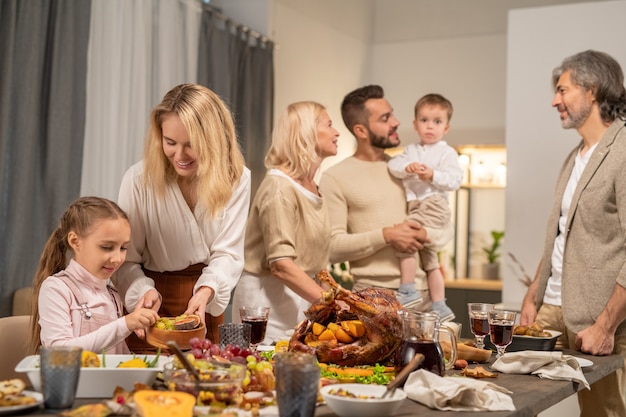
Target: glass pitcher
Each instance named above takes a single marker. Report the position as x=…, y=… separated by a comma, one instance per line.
x=420, y=334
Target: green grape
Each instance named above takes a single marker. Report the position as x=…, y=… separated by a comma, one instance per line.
x=263, y=365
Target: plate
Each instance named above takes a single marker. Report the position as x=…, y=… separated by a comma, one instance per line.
x=100, y=382
x=10, y=410
x=370, y=406
x=584, y=363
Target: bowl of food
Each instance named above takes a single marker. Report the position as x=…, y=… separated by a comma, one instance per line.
x=361, y=400
x=99, y=379
x=178, y=329
x=545, y=341
x=220, y=383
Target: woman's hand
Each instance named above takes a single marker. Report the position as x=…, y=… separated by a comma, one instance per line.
x=151, y=299
x=197, y=303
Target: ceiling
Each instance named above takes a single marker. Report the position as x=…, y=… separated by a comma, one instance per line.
x=381, y=21
x=399, y=20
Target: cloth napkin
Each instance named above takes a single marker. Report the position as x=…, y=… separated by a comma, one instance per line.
x=456, y=394
x=545, y=364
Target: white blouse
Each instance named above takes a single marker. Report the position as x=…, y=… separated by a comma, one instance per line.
x=167, y=236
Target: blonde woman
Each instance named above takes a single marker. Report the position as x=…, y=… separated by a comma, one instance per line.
x=187, y=202
x=288, y=229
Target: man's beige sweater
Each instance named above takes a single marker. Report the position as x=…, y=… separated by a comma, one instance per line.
x=362, y=198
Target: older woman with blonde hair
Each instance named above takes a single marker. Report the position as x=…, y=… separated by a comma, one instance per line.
x=187, y=202
x=288, y=229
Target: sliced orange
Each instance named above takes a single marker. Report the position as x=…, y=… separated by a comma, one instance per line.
x=343, y=336
x=327, y=335
x=333, y=326
x=354, y=328
x=318, y=328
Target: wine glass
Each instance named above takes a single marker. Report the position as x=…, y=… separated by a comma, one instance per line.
x=257, y=318
x=501, y=324
x=479, y=321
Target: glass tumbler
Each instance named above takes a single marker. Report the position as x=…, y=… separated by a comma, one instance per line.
x=234, y=334
x=60, y=371
x=297, y=383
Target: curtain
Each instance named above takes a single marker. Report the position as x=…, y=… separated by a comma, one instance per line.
x=138, y=51
x=239, y=67
x=43, y=50
x=77, y=82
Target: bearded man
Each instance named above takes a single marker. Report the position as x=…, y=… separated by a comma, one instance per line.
x=367, y=205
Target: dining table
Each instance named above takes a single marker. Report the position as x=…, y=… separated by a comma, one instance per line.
x=531, y=394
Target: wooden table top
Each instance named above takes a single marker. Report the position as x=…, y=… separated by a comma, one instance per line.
x=531, y=394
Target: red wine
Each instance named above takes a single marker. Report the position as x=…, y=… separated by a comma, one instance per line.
x=258, y=326
x=480, y=326
x=433, y=355
x=501, y=333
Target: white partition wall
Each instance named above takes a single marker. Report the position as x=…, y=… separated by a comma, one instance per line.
x=538, y=39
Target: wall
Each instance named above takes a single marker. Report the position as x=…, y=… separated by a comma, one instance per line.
x=470, y=72
x=321, y=55
x=320, y=61
x=536, y=144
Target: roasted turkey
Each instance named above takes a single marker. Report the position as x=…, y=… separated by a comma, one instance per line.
x=376, y=308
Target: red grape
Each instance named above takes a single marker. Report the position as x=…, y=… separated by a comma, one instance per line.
x=195, y=343
x=206, y=344
x=215, y=350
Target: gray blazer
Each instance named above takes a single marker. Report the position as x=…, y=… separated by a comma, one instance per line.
x=594, y=258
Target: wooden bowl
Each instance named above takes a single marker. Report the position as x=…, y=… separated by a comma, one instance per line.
x=159, y=338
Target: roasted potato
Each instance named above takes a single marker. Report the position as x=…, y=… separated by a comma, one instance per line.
x=535, y=330
x=520, y=330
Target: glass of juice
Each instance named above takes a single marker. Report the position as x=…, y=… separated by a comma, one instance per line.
x=479, y=321
x=257, y=318
x=501, y=324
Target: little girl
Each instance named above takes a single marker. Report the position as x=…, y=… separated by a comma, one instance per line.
x=74, y=303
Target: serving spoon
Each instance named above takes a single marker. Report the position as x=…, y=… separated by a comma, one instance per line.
x=180, y=355
x=403, y=374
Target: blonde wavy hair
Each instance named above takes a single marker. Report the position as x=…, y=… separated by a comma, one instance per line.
x=294, y=140
x=209, y=124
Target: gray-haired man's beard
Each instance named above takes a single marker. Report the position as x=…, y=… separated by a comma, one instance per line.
x=576, y=118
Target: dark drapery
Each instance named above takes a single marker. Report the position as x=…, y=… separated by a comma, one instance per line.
x=239, y=68
x=43, y=75
x=43, y=50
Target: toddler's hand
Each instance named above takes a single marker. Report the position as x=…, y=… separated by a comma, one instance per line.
x=412, y=168
x=425, y=174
